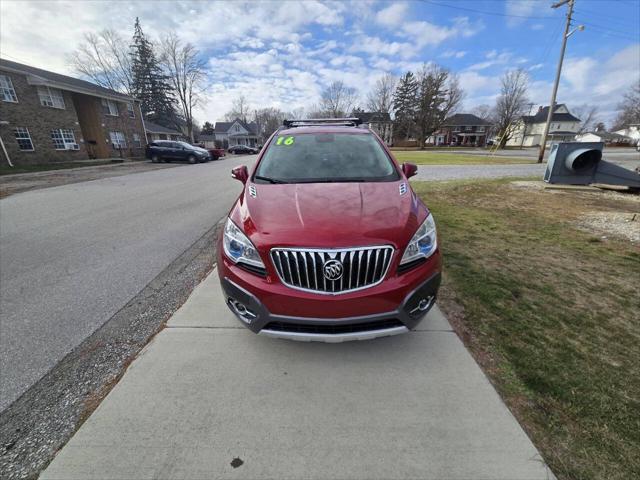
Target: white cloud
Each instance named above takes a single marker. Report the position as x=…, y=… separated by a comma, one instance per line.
x=577, y=72
x=453, y=54
x=523, y=8
x=493, y=58
x=427, y=33
x=377, y=46
x=392, y=16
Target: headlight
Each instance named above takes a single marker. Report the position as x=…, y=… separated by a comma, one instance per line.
x=238, y=247
x=423, y=243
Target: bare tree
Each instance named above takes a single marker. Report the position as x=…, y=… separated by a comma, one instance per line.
x=268, y=120
x=511, y=104
x=380, y=99
x=337, y=100
x=629, y=108
x=485, y=112
x=588, y=116
x=186, y=72
x=439, y=95
x=104, y=58
x=239, y=109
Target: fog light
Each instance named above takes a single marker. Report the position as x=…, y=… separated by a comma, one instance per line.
x=241, y=310
x=423, y=305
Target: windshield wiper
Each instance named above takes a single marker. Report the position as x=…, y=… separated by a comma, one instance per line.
x=269, y=179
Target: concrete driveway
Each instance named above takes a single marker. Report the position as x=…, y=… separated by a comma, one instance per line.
x=208, y=399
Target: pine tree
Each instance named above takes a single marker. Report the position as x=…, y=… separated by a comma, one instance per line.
x=150, y=85
x=405, y=99
x=207, y=128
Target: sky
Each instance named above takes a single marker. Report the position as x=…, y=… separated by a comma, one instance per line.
x=282, y=54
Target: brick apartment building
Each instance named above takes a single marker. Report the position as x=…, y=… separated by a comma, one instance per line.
x=47, y=117
x=463, y=129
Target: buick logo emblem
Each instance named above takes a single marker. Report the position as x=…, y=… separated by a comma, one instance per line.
x=332, y=269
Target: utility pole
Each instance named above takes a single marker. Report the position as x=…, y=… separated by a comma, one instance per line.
x=552, y=104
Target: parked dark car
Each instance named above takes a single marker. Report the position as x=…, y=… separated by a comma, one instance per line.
x=243, y=149
x=167, y=150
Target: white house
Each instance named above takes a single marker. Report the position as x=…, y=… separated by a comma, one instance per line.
x=530, y=128
x=604, y=137
x=228, y=134
x=632, y=131
x=158, y=132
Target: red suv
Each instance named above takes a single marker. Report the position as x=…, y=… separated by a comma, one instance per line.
x=327, y=240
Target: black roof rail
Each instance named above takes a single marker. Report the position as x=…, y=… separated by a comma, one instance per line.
x=347, y=122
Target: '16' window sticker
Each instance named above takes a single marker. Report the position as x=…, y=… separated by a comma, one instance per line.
x=288, y=141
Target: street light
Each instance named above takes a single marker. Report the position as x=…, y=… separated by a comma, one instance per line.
x=552, y=103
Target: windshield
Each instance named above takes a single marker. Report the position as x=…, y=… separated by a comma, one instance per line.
x=325, y=157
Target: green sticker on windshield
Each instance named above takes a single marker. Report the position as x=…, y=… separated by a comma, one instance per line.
x=285, y=141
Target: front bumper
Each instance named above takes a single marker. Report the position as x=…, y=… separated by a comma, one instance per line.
x=393, y=316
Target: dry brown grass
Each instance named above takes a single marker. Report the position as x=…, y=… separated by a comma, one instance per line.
x=551, y=313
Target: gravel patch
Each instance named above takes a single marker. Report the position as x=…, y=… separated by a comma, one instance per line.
x=42, y=420
x=462, y=172
x=615, y=224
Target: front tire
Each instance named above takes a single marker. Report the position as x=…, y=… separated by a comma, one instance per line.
x=155, y=159
x=191, y=159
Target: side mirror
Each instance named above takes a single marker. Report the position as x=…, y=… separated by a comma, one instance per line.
x=409, y=169
x=240, y=173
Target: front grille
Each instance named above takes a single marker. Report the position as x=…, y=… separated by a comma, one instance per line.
x=312, y=269
x=333, y=329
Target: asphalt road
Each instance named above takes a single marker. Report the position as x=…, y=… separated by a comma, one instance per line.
x=72, y=256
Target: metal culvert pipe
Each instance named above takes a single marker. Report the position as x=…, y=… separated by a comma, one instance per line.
x=583, y=158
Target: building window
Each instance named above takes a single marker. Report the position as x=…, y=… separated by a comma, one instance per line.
x=480, y=129
x=136, y=140
x=130, y=110
x=468, y=128
x=7, y=90
x=23, y=138
x=109, y=107
x=64, y=139
x=50, y=97
x=118, y=140
x=456, y=129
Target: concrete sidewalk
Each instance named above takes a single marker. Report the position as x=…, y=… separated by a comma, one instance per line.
x=209, y=399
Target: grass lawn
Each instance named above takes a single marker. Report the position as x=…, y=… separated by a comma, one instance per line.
x=7, y=170
x=426, y=157
x=551, y=312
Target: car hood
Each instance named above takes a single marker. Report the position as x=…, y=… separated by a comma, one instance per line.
x=328, y=214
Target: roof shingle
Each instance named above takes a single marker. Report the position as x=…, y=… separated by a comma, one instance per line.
x=63, y=80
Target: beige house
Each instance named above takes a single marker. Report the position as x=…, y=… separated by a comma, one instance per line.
x=530, y=128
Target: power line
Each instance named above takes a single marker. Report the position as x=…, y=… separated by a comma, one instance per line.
x=484, y=12
x=608, y=18
x=551, y=41
x=609, y=31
